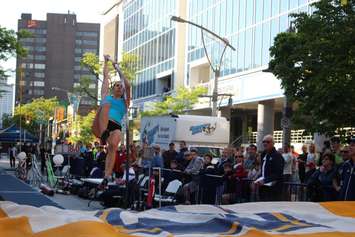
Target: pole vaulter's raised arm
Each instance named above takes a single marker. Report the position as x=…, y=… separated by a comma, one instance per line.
x=105, y=88
x=126, y=84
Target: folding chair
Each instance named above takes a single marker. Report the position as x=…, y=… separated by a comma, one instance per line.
x=169, y=195
x=63, y=178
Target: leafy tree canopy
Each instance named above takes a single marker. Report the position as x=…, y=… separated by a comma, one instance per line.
x=183, y=100
x=128, y=65
x=10, y=45
x=83, y=128
x=32, y=114
x=315, y=62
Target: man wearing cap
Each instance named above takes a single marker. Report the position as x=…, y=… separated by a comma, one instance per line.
x=347, y=179
x=193, y=169
x=169, y=155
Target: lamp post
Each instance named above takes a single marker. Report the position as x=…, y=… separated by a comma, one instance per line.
x=216, y=69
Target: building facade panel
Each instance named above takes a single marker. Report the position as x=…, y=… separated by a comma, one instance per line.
x=54, y=53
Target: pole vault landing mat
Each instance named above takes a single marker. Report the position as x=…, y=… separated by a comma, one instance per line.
x=273, y=219
x=17, y=191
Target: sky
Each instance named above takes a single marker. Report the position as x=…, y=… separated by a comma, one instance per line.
x=85, y=10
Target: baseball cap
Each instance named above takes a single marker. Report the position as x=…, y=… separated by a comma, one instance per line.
x=193, y=150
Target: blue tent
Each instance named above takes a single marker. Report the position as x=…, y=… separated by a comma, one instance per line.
x=12, y=134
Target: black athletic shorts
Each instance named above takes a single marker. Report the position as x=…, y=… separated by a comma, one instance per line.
x=112, y=126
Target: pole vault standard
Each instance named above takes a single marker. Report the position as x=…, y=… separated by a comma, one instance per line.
x=126, y=123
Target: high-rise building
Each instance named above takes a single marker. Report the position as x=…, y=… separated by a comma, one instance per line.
x=172, y=55
x=6, y=100
x=52, y=66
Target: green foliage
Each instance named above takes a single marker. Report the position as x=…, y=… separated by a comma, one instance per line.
x=83, y=126
x=316, y=65
x=177, y=104
x=128, y=65
x=32, y=114
x=10, y=45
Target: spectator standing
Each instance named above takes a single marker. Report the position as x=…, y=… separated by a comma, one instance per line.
x=224, y=159
x=253, y=174
x=42, y=154
x=272, y=166
x=240, y=171
x=181, y=155
x=193, y=169
x=323, y=182
x=312, y=157
x=13, y=153
x=208, y=167
x=120, y=159
x=302, y=159
x=89, y=159
x=347, y=178
x=157, y=161
x=336, y=148
x=169, y=155
x=229, y=184
x=250, y=160
x=288, y=158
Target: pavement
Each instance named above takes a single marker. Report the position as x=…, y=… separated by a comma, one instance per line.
x=71, y=202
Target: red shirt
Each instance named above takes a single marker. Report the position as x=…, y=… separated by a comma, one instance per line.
x=120, y=159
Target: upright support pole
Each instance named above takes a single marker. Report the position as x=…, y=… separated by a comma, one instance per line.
x=286, y=122
x=215, y=92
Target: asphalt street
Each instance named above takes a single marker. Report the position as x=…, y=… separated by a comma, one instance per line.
x=71, y=202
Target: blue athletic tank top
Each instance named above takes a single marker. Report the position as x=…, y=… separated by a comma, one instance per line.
x=117, y=108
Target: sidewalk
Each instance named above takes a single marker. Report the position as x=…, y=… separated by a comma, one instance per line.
x=71, y=202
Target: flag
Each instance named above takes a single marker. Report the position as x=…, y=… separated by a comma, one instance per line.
x=272, y=219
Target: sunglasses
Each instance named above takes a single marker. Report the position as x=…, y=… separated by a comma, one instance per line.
x=266, y=141
x=344, y=151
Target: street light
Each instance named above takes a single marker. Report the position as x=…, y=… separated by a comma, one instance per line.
x=216, y=69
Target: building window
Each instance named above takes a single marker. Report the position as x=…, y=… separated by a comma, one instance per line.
x=40, y=49
x=89, y=50
x=27, y=65
x=27, y=40
x=77, y=59
x=40, y=66
x=29, y=48
x=39, y=74
x=40, y=57
x=22, y=83
x=77, y=77
x=90, y=42
x=77, y=50
x=90, y=34
x=76, y=84
x=78, y=42
x=41, y=40
x=77, y=68
x=38, y=92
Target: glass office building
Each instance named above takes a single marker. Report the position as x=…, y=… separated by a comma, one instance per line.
x=249, y=25
x=149, y=34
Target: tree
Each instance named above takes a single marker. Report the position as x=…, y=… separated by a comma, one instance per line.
x=177, y=104
x=32, y=114
x=10, y=46
x=315, y=62
x=128, y=65
x=83, y=128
